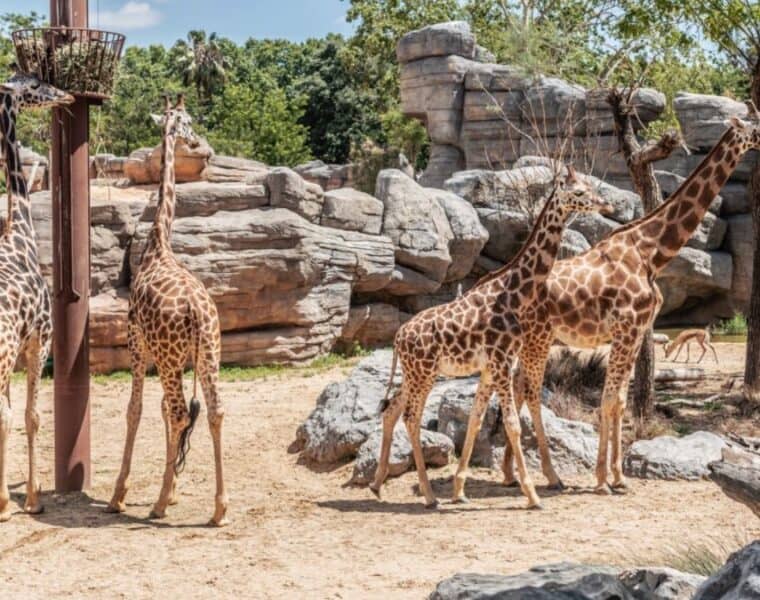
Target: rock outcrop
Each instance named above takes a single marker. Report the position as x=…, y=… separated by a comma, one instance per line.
x=668, y=457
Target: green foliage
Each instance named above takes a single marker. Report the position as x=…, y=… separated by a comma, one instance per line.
x=736, y=325
x=258, y=120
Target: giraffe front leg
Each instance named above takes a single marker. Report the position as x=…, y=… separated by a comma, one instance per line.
x=479, y=406
x=5, y=429
x=503, y=384
x=134, y=412
x=390, y=418
x=36, y=355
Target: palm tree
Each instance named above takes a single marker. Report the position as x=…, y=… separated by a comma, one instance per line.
x=202, y=64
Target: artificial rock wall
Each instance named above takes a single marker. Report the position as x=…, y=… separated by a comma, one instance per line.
x=483, y=116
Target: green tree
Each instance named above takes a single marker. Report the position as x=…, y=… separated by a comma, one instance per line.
x=201, y=63
x=261, y=121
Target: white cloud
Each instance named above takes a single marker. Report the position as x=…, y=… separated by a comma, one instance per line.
x=131, y=16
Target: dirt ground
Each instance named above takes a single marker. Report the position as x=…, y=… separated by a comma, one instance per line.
x=298, y=533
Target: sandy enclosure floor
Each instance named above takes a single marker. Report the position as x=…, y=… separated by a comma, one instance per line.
x=298, y=533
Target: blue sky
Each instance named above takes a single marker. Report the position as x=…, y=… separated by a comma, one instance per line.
x=164, y=21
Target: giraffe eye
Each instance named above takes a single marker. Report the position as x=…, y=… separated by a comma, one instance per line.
x=35, y=85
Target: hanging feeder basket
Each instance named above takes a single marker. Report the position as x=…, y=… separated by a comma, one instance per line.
x=82, y=62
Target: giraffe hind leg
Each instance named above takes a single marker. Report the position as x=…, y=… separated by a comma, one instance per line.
x=391, y=415
x=208, y=376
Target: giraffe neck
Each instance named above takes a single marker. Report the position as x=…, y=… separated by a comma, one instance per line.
x=162, y=224
x=532, y=264
x=668, y=228
x=19, y=205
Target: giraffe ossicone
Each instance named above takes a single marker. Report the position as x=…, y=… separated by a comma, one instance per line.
x=481, y=331
x=172, y=318
x=25, y=309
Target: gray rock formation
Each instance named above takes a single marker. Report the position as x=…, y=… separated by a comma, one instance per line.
x=738, y=579
x=569, y=580
x=289, y=190
x=416, y=223
x=668, y=457
x=703, y=118
x=437, y=450
x=350, y=209
x=469, y=235
x=372, y=325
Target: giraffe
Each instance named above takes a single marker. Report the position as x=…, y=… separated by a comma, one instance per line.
x=171, y=318
x=608, y=295
x=479, y=331
x=25, y=317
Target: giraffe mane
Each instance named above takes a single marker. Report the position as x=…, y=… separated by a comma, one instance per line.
x=663, y=207
x=533, y=233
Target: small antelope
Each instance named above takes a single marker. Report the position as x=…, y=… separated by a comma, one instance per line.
x=701, y=336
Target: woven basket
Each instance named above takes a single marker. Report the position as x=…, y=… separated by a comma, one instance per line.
x=82, y=62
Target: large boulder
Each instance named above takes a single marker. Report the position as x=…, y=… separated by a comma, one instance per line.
x=569, y=580
x=555, y=107
x=328, y=177
x=694, y=274
x=563, y=580
x=372, y=325
x=232, y=169
x=668, y=457
x=347, y=412
x=738, y=579
x=190, y=163
x=703, y=117
x=203, y=199
x=574, y=444
x=437, y=450
x=287, y=189
x=417, y=224
x=347, y=208
x=108, y=331
x=469, y=236
x=441, y=39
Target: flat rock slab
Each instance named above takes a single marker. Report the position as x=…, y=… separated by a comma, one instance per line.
x=571, y=581
x=668, y=457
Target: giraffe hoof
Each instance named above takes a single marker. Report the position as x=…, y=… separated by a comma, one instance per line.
x=376, y=492
x=432, y=505
x=603, y=490
x=461, y=500
x=34, y=509
x=511, y=484
x=5, y=515
x=621, y=487
x=223, y=522
x=115, y=508
x=536, y=506
x=557, y=485
x=155, y=514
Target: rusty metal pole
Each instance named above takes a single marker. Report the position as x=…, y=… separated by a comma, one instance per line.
x=70, y=190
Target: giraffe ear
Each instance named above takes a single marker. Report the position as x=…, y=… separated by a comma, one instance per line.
x=157, y=119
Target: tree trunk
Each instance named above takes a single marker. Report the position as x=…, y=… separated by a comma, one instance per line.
x=641, y=168
x=752, y=359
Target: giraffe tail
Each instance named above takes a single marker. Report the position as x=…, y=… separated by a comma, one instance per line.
x=386, y=401
x=194, y=409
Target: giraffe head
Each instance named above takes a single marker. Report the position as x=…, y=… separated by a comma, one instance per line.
x=28, y=91
x=747, y=133
x=179, y=121
x=577, y=195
